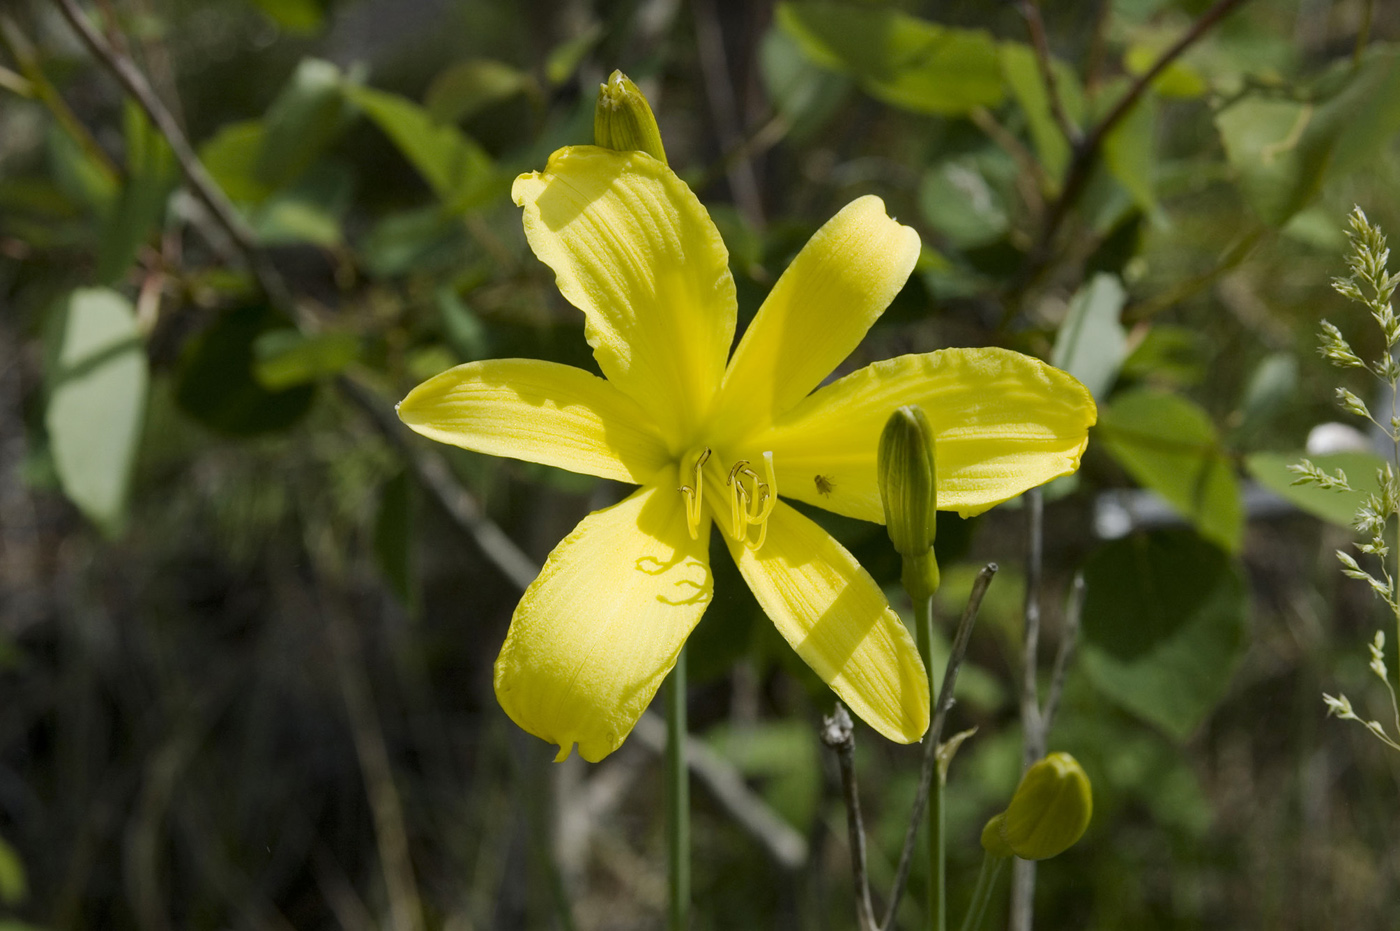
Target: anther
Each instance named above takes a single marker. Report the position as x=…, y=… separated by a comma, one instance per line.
x=694, y=495
x=752, y=503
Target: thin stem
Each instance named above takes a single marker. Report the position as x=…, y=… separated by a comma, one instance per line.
x=1363, y=32
x=935, y=735
x=838, y=733
x=1035, y=25
x=937, y=852
x=982, y=892
x=1032, y=721
x=1069, y=638
x=678, y=810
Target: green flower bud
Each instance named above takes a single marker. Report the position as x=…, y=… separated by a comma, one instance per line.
x=908, y=489
x=1050, y=810
x=623, y=119
x=992, y=841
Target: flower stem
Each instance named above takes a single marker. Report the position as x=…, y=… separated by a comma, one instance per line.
x=982, y=892
x=678, y=811
x=937, y=858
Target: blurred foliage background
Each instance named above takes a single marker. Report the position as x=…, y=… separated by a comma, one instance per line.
x=247, y=622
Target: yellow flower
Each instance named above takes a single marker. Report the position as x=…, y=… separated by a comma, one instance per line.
x=632, y=248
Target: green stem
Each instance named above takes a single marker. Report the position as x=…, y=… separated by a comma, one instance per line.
x=678, y=811
x=937, y=847
x=982, y=892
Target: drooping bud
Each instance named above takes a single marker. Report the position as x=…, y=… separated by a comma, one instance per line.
x=992, y=841
x=908, y=489
x=1050, y=810
x=623, y=119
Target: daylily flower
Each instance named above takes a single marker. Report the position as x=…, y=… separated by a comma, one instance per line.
x=716, y=444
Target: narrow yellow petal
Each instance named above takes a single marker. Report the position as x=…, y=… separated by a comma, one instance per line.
x=602, y=625
x=1002, y=422
x=540, y=412
x=817, y=313
x=632, y=247
x=838, y=621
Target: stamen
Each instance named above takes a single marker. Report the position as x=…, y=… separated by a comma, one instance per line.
x=754, y=506
x=694, y=495
x=738, y=510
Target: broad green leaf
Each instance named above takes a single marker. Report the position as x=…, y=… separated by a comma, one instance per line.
x=1337, y=507
x=804, y=94
x=1168, y=444
x=80, y=176
x=468, y=87
x=1130, y=149
x=298, y=17
x=416, y=240
x=394, y=527
x=151, y=174
x=13, y=885
x=1271, y=385
x=1179, y=79
x=285, y=358
x=1164, y=626
x=305, y=118
x=1023, y=78
x=1168, y=355
x=957, y=200
x=1283, y=150
x=784, y=755
x=455, y=167
x=308, y=211
x=97, y=399
x=216, y=384
x=464, y=329
x=1091, y=342
x=904, y=61
x=231, y=158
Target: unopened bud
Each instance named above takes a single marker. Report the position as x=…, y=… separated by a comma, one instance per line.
x=992, y=841
x=908, y=489
x=623, y=119
x=1050, y=810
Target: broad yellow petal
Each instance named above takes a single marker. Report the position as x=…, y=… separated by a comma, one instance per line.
x=838, y=621
x=1003, y=423
x=633, y=248
x=602, y=625
x=816, y=314
x=540, y=412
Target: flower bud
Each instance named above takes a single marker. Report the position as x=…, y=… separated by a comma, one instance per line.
x=992, y=841
x=1050, y=810
x=908, y=489
x=623, y=119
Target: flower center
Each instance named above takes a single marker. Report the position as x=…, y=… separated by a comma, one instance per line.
x=752, y=497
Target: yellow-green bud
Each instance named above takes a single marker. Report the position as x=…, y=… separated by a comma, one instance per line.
x=908, y=489
x=623, y=119
x=992, y=841
x=1050, y=810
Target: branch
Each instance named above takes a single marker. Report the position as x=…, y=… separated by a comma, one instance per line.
x=935, y=736
x=1035, y=25
x=1069, y=638
x=1086, y=152
x=1032, y=721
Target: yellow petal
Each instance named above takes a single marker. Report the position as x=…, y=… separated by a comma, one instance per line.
x=838, y=621
x=602, y=625
x=632, y=248
x=1002, y=423
x=817, y=313
x=540, y=412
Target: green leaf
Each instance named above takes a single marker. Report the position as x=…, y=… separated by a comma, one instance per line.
x=1164, y=626
x=231, y=158
x=302, y=122
x=1168, y=354
x=1092, y=343
x=1168, y=444
x=957, y=200
x=457, y=169
x=1129, y=151
x=151, y=174
x=563, y=60
x=1337, y=507
x=784, y=755
x=1179, y=79
x=464, y=329
x=285, y=358
x=13, y=885
x=468, y=87
x=1283, y=150
x=97, y=399
x=308, y=211
x=216, y=384
x=1022, y=75
x=904, y=61
x=805, y=95
x=1272, y=384
x=298, y=17
x=394, y=535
